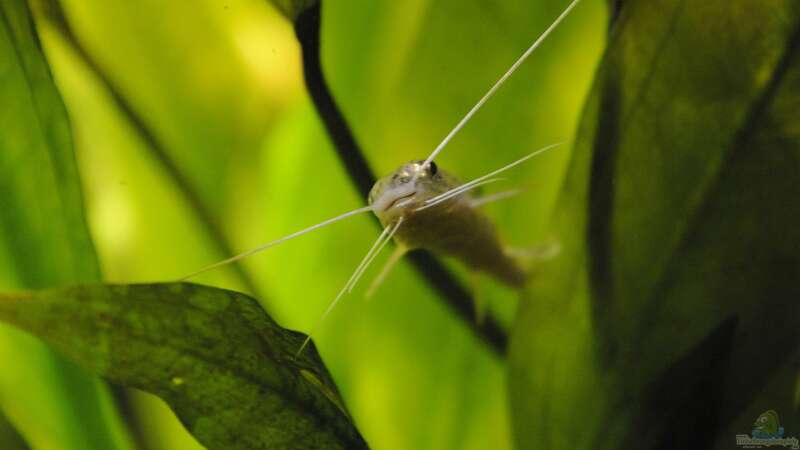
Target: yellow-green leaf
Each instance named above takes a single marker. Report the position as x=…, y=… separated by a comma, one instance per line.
x=44, y=242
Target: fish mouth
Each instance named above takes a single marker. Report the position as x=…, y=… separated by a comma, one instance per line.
x=398, y=200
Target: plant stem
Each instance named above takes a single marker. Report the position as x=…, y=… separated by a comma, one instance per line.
x=307, y=28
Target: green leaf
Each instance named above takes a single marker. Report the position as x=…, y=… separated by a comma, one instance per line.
x=43, y=242
x=9, y=438
x=224, y=366
x=40, y=185
x=673, y=304
x=224, y=93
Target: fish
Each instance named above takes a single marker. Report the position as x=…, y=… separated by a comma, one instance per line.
x=423, y=207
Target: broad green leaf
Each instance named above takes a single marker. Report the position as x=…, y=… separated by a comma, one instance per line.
x=43, y=242
x=214, y=80
x=225, y=367
x=673, y=303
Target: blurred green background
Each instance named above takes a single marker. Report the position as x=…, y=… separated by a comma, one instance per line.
x=219, y=84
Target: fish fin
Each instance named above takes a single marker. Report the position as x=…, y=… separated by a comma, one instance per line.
x=535, y=253
x=382, y=240
x=398, y=253
x=490, y=198
x=529, y=258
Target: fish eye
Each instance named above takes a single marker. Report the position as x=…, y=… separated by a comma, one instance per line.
x=405, y=179
x=433, y=168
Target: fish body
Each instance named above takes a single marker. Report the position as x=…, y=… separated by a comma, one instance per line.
x=453, y=228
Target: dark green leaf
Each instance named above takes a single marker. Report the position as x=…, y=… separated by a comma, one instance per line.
x=222, y=364
x=673, y=304
x=9, y=438
x=43, y=242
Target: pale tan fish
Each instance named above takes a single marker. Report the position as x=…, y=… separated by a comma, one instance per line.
x=421, y=206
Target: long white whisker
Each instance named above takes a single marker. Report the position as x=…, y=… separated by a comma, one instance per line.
x=455, y=192
x=480, y=180
x=363, y=269
x=458, y=189
x=369, y=258
x=376, y=248
x=263, y=247
x=499, y=83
